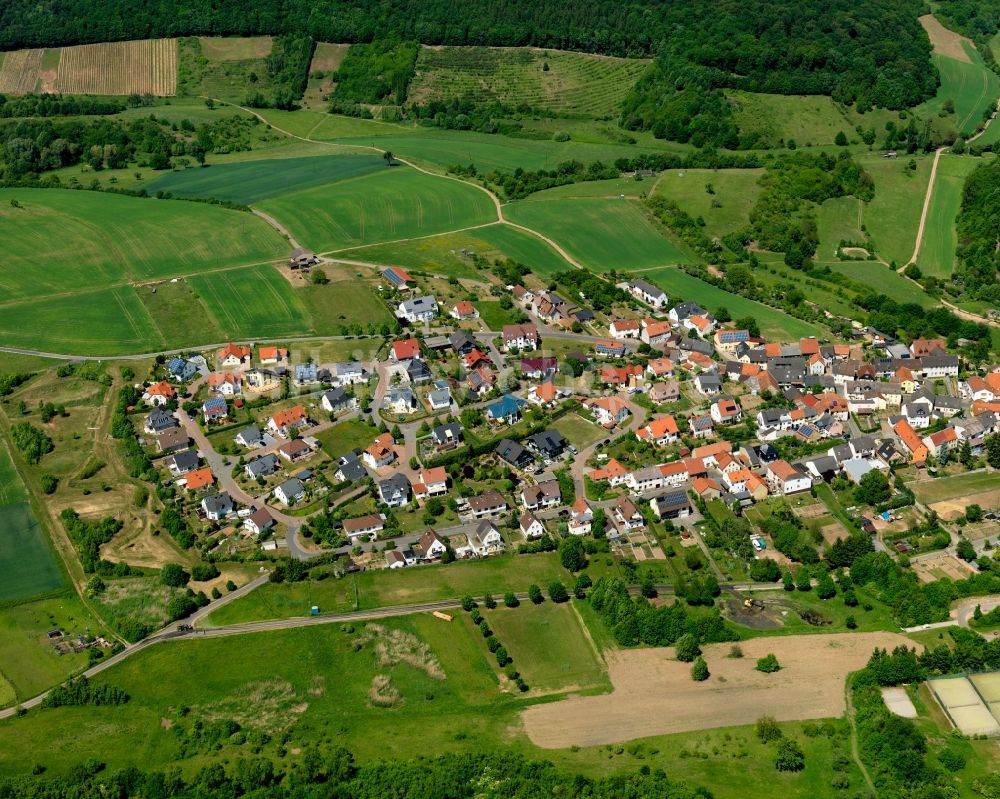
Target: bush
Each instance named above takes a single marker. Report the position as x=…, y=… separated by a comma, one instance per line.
x=489, y=601
x=735, y=651
x=535, y=594
x=510, y=600
x=768, y=664
x=31, y=442
x=201, y=572
x=468, y=603
x=49, y=483
x=951, y=760
x=502, y=657
x=557, y=591
x=699, y=670
x=174, y=576
x=789, y=756
x=767, y=729
x=687, y=648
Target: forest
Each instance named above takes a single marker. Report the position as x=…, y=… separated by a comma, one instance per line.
x=978, y=226
x=335, y=775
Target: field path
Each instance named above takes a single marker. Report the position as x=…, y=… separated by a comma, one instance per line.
x=924, y=210
x=855, y=752
x=494, y=199
x=987, y=125
x=277, y=226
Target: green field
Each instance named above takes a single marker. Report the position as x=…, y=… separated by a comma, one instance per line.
x=891, y=218
x=882, y=279
x=972, y=87
x=255, y=302
x=808, y=121
x=12, y=490
x=374, y=589
x=937, y=253
x=600, y=233
x=524, y=247
x=252, y=181
x=574, y=84
x=26, y=562
x=838, y=220
x=549, y=646
x=61, y=240
x=400, y=203
x=578, y=431
x=343, y=437
x=960, y=485
x=773, y=323
x=736, y=191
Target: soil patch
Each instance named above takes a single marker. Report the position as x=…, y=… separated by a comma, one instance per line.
x=756, y=617
x=951, y=509
x=945, y=42
x=655, y=695
x=943, y=565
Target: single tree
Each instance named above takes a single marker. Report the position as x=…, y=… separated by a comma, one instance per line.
x=767, y=729
x=510, y=600
x=687, y=648
x=557, y=591
x=535, y=594
x=389, y=157
x=768, y=664
x=699, y=670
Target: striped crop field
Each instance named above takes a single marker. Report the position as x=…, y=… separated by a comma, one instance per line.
x=554, y=80
x=20, y=71
x=139, y=67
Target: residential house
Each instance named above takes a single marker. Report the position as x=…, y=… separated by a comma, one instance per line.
x=214, y=409
x=667, y=391
x=258, y=521
x=481, y=381
x=520, y=337
x=233, y=355
x=506, y=409
x=440, y=398
x=394, y=491
x=381, y=453
x=462, y=342
x=609, y=411
x=294, y=450
x=172, y=440
x=706, y=489
x=648, y=293
x=626, y=515
x=336, y=400
x=433, y=483
x=783, y=478
x=160, y=420
x=400, y=399
x=673, y=504
x=184, y=462
x=395, y=559
x=290, y=491
x=514, y=454
x=489, y=503
x=661, y=432
x=404, y=349
x=199, y=478
x=159, y=393
x=349, y=373
x=430, y=546
x=911, y=441
x=546, y=494
x=645, y=479
x=288, y=420
x=249, y=437
x=271, y=355
x=922, y=347
x=726, y=411
x=264, y=466
x=942, y=442
x=680, y=313
x=418, y=372
x=727, y=342
x=364, y=528
x=629, y=375
x=937, y=366
x=660, y=367
x=538, y=368
x=550, y=444
x=484, y=540
x=655, y=333
x=217, y=506
x=447, y=435
x=531, y=526
x=545, y=395
x=707, y=385
x=612, y=471
x=702, y=426
x=228, y=384
x=349, y=467
x=581, y=517
x=610, y=349
x=308, y=374
x=464, y=310
x=624, y=328
x=418, y=309
x=181, y=369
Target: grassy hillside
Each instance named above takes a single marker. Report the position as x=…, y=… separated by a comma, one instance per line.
x=937, y=253
x=725, y=208
x=549, y=80
x=969, y=85
x=397, y=203
x=894, y=213
x=90, y=240
x=600, y=233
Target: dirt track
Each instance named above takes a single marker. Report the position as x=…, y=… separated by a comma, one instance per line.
x=655, y=695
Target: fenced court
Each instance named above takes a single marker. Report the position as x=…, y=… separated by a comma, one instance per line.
x=965, y=706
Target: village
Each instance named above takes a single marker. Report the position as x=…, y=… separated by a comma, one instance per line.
x=639, y=431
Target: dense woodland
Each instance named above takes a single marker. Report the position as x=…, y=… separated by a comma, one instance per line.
x=979, y=233
x=977, y=19
x=335, y=775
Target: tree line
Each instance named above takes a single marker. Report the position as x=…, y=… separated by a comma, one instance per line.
x=979, y=233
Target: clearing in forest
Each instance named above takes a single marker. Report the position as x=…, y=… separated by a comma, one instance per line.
x=945, y=42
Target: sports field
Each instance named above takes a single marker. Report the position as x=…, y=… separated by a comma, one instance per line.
x=964, y=705
x=94, y=239
x=773, y=323
x=396, y=203
x=252, y=181
x=26, y=562
x=725, y=209
x=549, y=645
x=959, y=485
x=600, y=233
x=553, y=80
x=937, y=253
